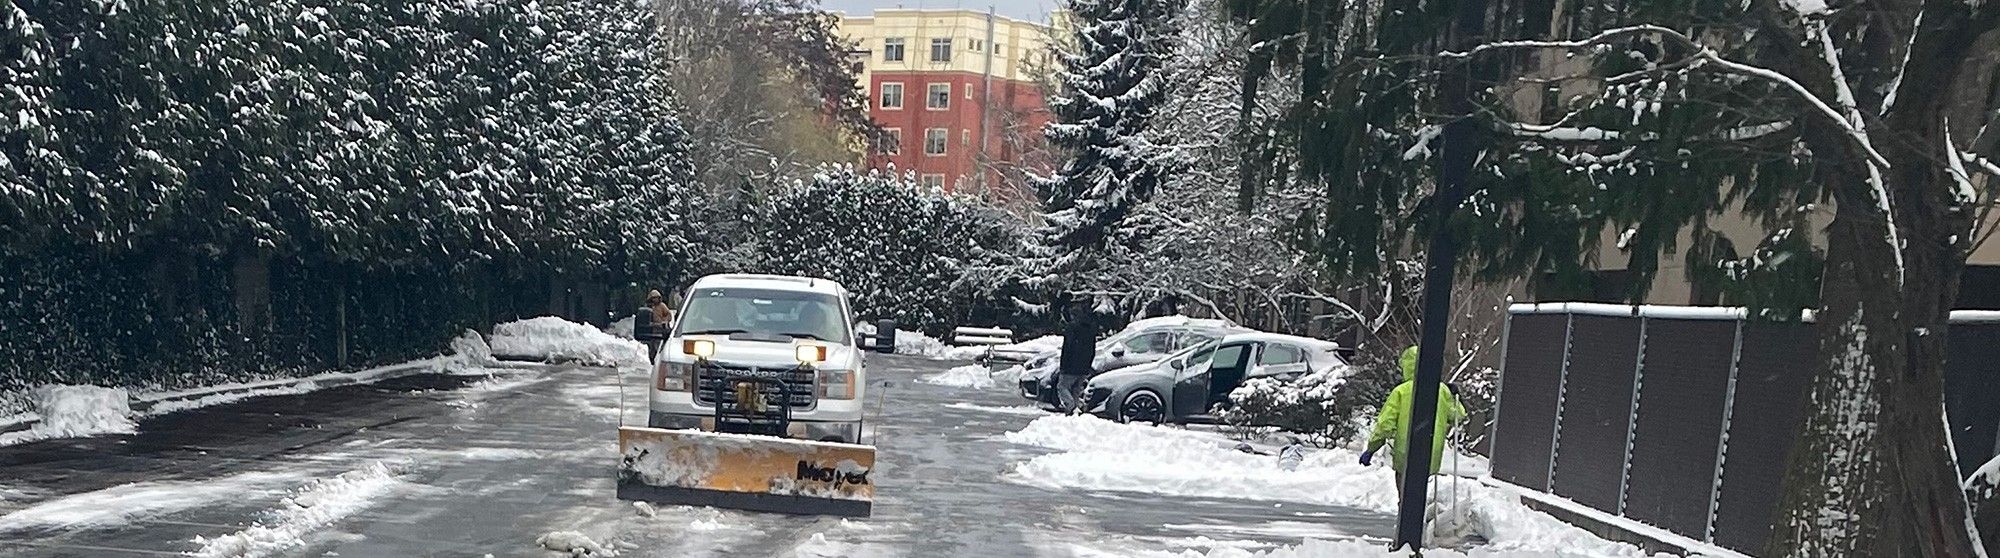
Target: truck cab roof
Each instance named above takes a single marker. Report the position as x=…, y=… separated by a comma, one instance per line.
x=769, y=282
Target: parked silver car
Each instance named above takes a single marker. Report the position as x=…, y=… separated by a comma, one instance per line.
x=1141, y=342
x=1187, y=386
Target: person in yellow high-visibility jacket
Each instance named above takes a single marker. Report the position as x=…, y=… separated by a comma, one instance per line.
x=1393, y=422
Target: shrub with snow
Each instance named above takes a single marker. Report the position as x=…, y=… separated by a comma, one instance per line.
x=1324, y=408
x=553, y=339
x=76, y=412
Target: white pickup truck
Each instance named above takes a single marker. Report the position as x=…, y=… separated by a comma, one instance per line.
x=777, y=351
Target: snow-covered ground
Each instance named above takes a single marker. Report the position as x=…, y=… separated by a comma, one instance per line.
x=317, y=504
x=1099, y=455
x=973, y=376
x=75, y=411
x=552, y=339
x=1030, y=347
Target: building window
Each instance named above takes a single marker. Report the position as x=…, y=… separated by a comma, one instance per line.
x=892, y=49
x=935, y=141
x=974, y=46
x=941, y=50
x=965, y=137
x=891, y=142
x=892, y=96
x=934, y=181
x=939, y=97
x=968, y=91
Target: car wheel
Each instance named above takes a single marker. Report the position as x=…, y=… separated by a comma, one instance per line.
x=1142, y=406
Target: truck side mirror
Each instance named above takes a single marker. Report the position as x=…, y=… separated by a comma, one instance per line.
x=885, y=336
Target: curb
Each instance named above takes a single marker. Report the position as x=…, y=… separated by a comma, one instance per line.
x=142, y=405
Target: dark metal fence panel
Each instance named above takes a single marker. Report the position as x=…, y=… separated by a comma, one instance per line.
x=1679, y=425
x=1596, y=410
x=1526, y=417
x=1775, y=366
x=1971, y=390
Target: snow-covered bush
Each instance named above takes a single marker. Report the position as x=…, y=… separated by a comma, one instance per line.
x=902, y=250
x=1318, y=407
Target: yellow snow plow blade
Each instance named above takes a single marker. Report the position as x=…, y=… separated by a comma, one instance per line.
x=745, y=472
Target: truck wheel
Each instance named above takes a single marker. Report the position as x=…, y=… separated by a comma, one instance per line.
x=1142, y=406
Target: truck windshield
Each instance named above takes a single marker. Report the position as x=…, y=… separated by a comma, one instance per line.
x=765, y=313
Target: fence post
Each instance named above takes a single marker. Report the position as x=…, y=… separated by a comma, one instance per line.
x=1722, y=445
x=1632, y=421
x=1562, y=389
x=1499, y=382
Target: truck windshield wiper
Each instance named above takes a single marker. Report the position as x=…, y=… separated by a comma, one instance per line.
x=715, y=332
x=804, y=336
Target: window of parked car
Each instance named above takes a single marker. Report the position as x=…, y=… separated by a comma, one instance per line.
x=1230, y=356
x=1187, y=339
x=1278, y=353
x=1156, y=342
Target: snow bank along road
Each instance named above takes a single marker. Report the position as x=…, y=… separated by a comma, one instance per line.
x=442, y=465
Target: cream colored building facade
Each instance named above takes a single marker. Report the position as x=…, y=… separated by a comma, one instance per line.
x=1014, y=45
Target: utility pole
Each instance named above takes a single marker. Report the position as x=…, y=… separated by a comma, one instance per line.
x=985, y=106
x=1441, y=262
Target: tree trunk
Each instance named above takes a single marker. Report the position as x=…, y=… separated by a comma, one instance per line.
x=1872, y=473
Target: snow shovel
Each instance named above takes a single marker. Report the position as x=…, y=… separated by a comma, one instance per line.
x=750, y=465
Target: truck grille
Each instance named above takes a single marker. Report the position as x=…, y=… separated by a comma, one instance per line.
x=717, y=379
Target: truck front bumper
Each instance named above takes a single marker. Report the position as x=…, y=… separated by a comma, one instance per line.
x=847, y=432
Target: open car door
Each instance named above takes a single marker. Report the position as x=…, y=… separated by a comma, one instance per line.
x=1196, y=389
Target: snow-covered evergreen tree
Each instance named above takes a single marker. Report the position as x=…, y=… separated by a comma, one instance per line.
x=904, y=251
x=1111, y=83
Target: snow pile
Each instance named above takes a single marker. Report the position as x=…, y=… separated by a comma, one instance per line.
x=120, y=504
x=623, y=328
x=468, y=351
x=1102, y=455
x=552, y=339
x=909, y=342
x=230, y=396
x=819, y=547
x=311, y=508
x=1010, y=375
x=1022, y=349
x=76, y=412
x=576, y=544
x=1022, y=410
x=973, y=376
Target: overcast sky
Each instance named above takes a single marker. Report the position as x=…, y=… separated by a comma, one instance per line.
x=1031, y=10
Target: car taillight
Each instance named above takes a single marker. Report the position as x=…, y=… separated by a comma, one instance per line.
x=674, y=376
x=836, y=384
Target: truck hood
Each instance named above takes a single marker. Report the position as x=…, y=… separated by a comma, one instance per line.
x=765, y=354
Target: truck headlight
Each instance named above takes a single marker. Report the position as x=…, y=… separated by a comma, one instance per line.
x=836, y=384
x=675, y=376
x=700, y=348
x=810, y=354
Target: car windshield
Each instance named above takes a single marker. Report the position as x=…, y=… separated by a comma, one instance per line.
x=765, y=313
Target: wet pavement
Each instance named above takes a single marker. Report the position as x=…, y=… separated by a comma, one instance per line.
x=486, y=464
